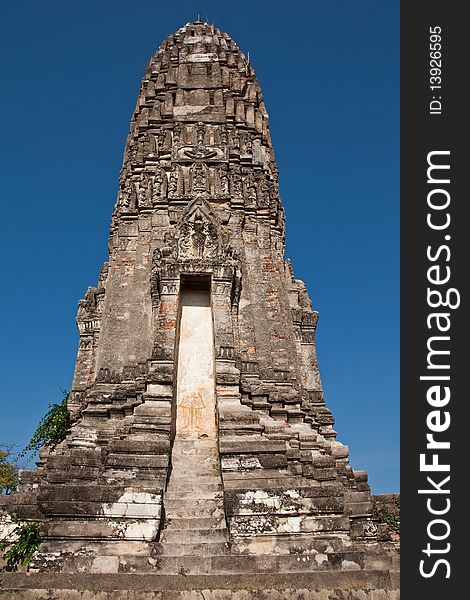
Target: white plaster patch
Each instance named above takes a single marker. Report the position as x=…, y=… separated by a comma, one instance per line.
x=292, y=493
x=250, y=463
x=157, y=389
x=181, y=111
x=349, y=565
x=105, y=564
x=291, y=525
x=321, y=558
x=260, y=497
x=205, y=39
x=135, y=505
x=6, y=528
x=209, y=57
x=84, y=436
x=195, y=390
x=230, y=464
x=142, y=530
x=243, y=303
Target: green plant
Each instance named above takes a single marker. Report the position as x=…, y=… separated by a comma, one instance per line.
x=384, y=515
x=26, y=540
x=52, y=428
x=8, y=472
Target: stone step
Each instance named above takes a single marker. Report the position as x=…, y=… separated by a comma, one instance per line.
x=184, y=488
x=192, y=549
x=198, y=512
x=247, y=564
x=193, y=536
x=181, y=583
x=187, y=465
x=196, y=522
x=100, y=529
x=190, y=499
x=191, y=495
x=192, y=449
x=195, y=468
x=190, y=479
x=184, y=446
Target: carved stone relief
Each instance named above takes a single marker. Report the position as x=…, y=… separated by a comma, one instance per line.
x=148, y=144
x=223, y=181
x=250, y=190
x=198, y=235
x=127, y=196
x=247, y=146
x=234, y=139
x=144, y=195
x=161, y=138
x=263, y=192
x=223, y=135
x=177, y=130
x=175, y=184
x=200, y=132
x=237, y=184
x=199, y=178
x=160, y=184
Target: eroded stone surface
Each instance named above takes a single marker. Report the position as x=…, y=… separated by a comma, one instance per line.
x=230, y=453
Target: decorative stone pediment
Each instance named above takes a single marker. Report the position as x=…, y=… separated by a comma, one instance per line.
x=198, y=232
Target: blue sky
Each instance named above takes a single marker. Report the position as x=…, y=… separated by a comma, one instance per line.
x=329, y=72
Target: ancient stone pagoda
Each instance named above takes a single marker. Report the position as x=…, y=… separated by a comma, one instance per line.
x=201, y=441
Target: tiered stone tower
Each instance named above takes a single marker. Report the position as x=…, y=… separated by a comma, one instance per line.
x=201, y=441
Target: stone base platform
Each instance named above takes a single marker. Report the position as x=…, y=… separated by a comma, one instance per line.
x=344, y=585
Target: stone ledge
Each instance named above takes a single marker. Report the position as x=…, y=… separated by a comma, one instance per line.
x=205, y=594
x=320, y=580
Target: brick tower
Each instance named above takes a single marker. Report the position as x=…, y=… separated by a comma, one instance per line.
x=200, y=441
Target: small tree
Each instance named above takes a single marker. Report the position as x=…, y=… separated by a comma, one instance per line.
x=21, y=544
x=8, y=471
x=52, y=428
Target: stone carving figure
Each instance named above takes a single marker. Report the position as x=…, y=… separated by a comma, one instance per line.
x=177, y=129
x=184, y=242
x=237, y=186
x=161, y=136
x=223, y=136
x=235, y=139
x=273, y=195
x=148, y=144
x=247, y=144
x=198, y=237
x=224, y=181
x=199, y=178
x=200, y=131
x=159, y=185
x=133, y=152
x=174, y=182
x=211, y=241
x=126, y=194
x=250, y=186
x=263, y=192
x=144, y=194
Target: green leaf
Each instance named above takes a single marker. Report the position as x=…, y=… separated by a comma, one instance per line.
x=52, y=428
x=20, y=551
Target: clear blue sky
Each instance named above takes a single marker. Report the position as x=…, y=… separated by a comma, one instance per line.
x=329, y=72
